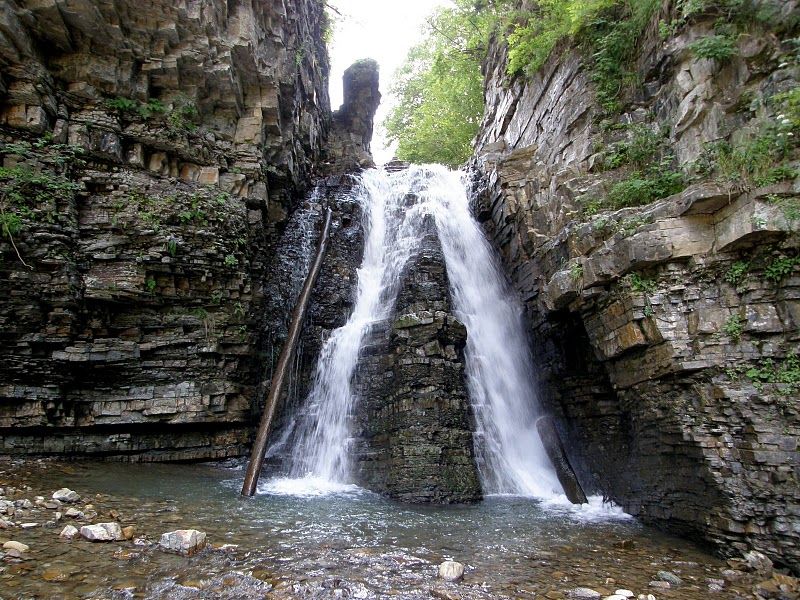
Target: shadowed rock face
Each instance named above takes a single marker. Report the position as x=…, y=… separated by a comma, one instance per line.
x=414, y=421
x=649, y=379
x=197, y=125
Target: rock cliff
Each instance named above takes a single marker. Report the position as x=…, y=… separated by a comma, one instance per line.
x=151, y=155
x=666, y=332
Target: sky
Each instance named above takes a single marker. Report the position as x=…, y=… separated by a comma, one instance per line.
x=380, y=29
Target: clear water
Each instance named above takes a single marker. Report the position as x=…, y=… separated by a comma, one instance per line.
x=349, y=544
x=511, y=458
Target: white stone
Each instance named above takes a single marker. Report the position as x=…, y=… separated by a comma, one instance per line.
x=625, y=593
x=69, y=532
x=583, y=593
x=183, y=541
x=18, y=546
x=616, y=597
x=102, y=532
x=451, y=570
x=66, y=495
x=28, y=525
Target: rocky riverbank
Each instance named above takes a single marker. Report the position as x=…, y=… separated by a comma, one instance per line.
x=94, y=530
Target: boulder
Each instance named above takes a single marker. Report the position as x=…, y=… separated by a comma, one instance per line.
x=69, y=532
x=102, y=532
x=66, y=495
x=183, y=541
x=451, y=570
x=18, y=546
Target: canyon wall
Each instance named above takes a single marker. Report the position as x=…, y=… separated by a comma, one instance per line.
x=667, y=335
x=151, y=156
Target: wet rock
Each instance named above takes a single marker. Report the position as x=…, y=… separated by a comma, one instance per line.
x=128, y=532
x=451, y=570
x=69, y=532
x=646, y=597
x=670, y=578
x=661, y=585
x=73, y=513
x=183, y=541
x=66, y=495
x=55, y=574
x=624, y=593
x=102, y=532
x=583, y=593
x=732, y=574
x=18, y=546
x=616, y=597
x=443, y=594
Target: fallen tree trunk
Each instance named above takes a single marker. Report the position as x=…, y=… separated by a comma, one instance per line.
x=555, y=450
x=282, y=368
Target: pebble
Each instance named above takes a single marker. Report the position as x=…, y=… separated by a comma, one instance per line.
x=183, y=541
x=69, y=532
x=583, y=593
x=646, y=597
x=662, y=585
x=451, y=570
x=102, y=532
x=66, y=495
x=670, y=577
x=18, y=546
x=128, y=532
x=29, y=525
x=616, y=597
x=73, y=513
x=624, y=593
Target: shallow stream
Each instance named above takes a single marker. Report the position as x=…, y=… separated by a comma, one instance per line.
x=343, y=544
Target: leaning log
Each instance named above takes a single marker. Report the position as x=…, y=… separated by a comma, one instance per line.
x=555, y=450
x=282, y=368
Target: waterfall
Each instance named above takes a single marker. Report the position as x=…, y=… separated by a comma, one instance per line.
x=511, y=459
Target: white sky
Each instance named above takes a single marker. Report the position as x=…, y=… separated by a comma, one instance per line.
x=381, y=29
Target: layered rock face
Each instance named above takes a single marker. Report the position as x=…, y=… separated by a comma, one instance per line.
x=151, y=155
x=666, y=335
x=415, y=422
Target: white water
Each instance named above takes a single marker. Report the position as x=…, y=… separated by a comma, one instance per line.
x=511, y=458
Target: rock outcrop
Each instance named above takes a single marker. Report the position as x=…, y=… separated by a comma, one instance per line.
x=414, y=422
x=351, y=133
x=151, y=157
x=667, y=334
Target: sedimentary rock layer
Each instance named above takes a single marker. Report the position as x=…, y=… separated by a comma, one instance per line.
x=661, y=331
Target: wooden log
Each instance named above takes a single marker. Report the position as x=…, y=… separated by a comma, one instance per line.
x=283, y=367
x=555, y=450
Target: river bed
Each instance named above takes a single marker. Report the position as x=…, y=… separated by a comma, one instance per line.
x=296, y=541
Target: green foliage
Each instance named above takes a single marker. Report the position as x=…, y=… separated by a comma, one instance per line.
x=150, y=284
x=785, y=373
x=439, y=90
x=734, y=327
x=183, y=116
x=122, y=105
x=645, y=187
x=737, y=273
x=172, y=247
x=231, y=260
x=717, y=47
x=780, y=268
x=576, y=271
x=641, y=284
x=642, y=148
x=613, y=39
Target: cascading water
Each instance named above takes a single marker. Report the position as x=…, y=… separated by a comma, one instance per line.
x=511, y=458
